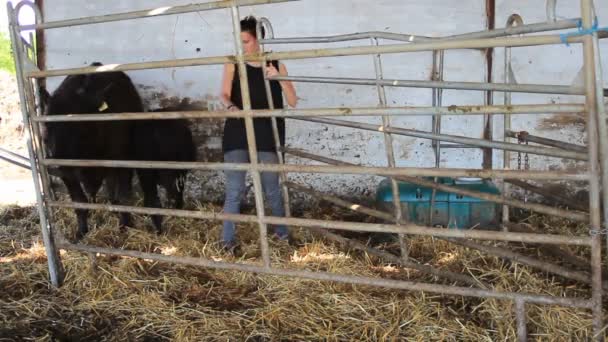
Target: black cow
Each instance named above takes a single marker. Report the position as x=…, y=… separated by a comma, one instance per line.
x=163, y=140
x=150, y=140
x=111, y=92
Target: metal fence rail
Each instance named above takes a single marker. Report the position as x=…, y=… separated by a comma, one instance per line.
x=409, y=38
x=409, y=228
x=355, y=170
x=564, y=109
x=506, y=37
x=14, y=158
x=520, y=88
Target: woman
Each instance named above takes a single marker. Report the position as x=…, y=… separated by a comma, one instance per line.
x=234, y=141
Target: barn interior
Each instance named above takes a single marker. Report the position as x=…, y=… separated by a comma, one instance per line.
x=443, y=174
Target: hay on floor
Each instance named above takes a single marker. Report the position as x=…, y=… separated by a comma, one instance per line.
x=130, y=299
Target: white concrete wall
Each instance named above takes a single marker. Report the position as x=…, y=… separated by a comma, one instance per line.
x=181, y=36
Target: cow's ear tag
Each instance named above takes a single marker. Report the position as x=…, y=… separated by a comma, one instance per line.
x=103, y=106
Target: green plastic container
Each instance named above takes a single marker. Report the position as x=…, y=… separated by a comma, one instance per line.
x=450, y=210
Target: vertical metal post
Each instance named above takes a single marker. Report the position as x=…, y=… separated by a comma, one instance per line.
x=253, y=155
x=437, y=100
x=551, y=10
x=275, y=128
x=488, y=129
x=520, y=316
x=390, y=153
x=514, y=20
x=488, y=154
x=34, y=103
x=594, y=170
x=32, y=94
x=56, y=273
x=602, y=129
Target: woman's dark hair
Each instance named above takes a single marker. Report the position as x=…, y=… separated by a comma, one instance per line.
x=248, y=24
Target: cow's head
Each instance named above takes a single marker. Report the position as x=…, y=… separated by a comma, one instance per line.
x=88, y=97
x=78, y=94
x=93, y=95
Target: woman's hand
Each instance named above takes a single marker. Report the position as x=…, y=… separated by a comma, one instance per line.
x=287, y=86
x=271, y=71
x=226, y=91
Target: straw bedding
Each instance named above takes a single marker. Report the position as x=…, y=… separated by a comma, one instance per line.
x=115, y=298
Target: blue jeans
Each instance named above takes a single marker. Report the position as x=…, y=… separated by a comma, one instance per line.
x=235, y=190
